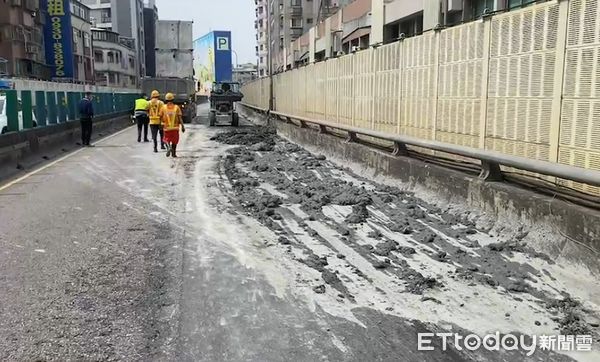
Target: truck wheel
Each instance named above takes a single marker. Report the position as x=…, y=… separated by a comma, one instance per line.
x=235, y=119
x=212, y=119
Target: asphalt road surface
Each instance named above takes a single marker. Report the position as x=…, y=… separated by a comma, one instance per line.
x=249, y=248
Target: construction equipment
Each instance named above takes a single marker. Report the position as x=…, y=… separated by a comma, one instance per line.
x=223, y=97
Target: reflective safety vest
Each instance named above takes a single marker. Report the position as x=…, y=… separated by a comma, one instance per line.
x=171, y=117
x=141, y=104
x=156, y=111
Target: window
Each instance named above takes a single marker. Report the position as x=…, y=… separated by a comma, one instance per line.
x=262, y=60
x=111, y=57
x=105, y=16
x=98, y=56
x=479, y=6
x=296, y=2
x=75, y=36
x=296, y=22
x=518, y=3
x=86, y=40
x=309, y=21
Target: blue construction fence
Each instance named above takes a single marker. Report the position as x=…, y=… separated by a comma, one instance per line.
x=27, y=109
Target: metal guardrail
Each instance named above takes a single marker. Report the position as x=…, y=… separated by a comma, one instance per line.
x=490, y=160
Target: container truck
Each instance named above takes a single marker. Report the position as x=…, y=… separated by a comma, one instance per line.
x=174, y=65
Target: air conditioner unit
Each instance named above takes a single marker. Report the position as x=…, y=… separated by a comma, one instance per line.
x=355, y=48
x=340, y=53
x=455, y=5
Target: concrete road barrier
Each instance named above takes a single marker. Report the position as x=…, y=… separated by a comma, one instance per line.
x=21, y=151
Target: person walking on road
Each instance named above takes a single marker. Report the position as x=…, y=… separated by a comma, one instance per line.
x=155, y=112
x=86, y=114
x=141, y=117
x=172, y=120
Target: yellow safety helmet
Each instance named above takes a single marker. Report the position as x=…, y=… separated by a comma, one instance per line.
x=169, y=97
x=155, y=94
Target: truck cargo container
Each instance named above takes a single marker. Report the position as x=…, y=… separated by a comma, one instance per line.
x=174, y=65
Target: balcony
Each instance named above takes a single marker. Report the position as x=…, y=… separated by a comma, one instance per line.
x=294, y=11
x=296, y=32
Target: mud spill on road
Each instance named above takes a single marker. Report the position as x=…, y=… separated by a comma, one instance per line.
x=424, y=247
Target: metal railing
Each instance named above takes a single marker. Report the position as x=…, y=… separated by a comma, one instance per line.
x=490, y=160
x=26, y=109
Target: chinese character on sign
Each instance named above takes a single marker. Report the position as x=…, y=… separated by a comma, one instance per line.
x=547, y=343
x=566, y=343
x=584, y=343
x=56, y=8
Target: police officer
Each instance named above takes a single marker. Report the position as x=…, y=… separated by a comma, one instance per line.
x=141, y=116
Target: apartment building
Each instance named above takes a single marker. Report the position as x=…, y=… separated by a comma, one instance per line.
x=281, y=22
x=83, y=64
x=411, y=17
x=262, y=45
x=359, y=24
x=22, y=51
x=244, y=73
x=115, y=59
x=125, y=17
x=150, y=19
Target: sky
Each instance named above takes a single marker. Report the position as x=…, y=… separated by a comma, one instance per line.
x=236, y=16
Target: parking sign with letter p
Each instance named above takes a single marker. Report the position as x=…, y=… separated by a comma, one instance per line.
x=222, y=43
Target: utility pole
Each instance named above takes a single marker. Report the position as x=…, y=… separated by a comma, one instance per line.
x=270, y=56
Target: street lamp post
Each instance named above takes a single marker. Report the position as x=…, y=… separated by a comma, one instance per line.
x=237, y=64
x=270, y=56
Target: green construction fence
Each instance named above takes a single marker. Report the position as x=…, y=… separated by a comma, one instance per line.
x=26, y=109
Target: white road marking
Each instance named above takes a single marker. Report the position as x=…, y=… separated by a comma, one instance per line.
x=28, y=175
x=40, y=251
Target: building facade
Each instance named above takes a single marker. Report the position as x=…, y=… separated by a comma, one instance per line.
x=125, y=17
x=359, y=24
x=115, y=59
x=83, y=61
x=245, y=73
x=279, y=23
x=21, y=40
x=150, y=19
x=262, y=44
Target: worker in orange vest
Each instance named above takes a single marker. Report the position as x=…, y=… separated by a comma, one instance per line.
x=155, y=112
x=172, y=120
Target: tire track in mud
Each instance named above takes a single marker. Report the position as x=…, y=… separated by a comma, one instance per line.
x=312, y=205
